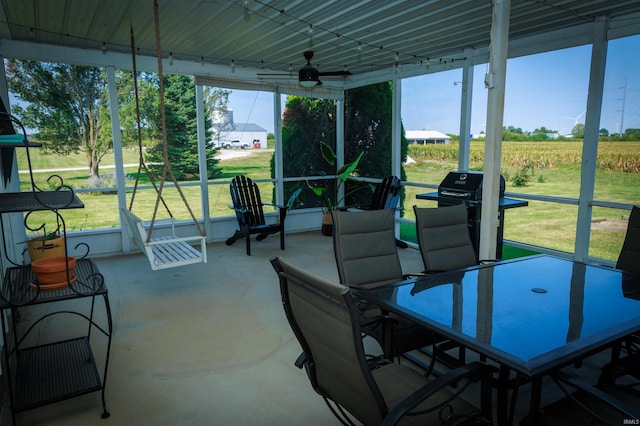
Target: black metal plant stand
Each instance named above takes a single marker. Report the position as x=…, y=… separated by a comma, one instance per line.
x=59, y=370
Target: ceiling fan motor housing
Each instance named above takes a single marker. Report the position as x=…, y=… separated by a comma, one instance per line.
x=308, y=76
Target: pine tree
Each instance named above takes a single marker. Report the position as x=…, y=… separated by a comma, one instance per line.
x=181, y=132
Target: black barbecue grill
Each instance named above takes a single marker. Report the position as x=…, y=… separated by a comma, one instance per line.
x=466, y=187
x=463, y=186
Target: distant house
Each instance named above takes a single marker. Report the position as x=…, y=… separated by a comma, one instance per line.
x=424, y=137
x=247, y=134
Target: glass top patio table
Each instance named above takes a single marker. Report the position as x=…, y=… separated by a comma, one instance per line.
x=531, y=314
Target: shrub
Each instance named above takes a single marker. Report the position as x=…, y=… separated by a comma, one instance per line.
x=105, y=181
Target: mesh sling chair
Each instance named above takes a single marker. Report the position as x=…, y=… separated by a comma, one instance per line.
x=443, y=238
x=629, y=261
x=445, y=244
x=386, y=195
x=326, y=322
x=367, y=257
x=247, y=204
x=629, y=258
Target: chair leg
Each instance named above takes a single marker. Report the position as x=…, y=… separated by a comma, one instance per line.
x=401, y=244
x=248, y=239
x=609, y=372
x=282, y=239
x=242, y=232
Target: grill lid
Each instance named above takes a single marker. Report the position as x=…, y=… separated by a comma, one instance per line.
x=465, y=185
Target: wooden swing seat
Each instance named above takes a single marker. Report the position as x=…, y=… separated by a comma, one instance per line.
x=166, y=251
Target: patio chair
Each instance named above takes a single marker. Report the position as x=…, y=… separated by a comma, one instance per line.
x=366, y=257
x=585, y=404
x=386, y=195
x=247, y=204
x=443, y=238
x=629, y=261
x=327, y=324
x=629, y=258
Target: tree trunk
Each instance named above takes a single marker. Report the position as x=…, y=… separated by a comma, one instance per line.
x=93, y=163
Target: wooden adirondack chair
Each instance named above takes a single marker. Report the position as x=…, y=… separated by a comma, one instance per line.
x=386, y=196
x=248, y=206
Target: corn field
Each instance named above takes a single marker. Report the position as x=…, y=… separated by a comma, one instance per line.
x=612, y=156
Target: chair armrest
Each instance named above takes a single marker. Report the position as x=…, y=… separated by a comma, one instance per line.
x=302, y=358
x=627, y=411
x=274, y=205
x=282, y=210
x=357, y=287
x=238, y=209
x=374, y=320
x=413, y=275
x=473, y=371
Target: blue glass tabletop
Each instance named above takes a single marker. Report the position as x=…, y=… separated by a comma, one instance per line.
x=532, y=313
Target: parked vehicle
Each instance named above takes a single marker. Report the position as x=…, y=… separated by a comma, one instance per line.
x=235, y=144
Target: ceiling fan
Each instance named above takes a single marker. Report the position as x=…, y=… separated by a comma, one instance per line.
x=309, y=76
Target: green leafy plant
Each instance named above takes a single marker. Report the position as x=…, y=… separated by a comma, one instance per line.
x=523, y=176
x=293, y=197
x=331, y=196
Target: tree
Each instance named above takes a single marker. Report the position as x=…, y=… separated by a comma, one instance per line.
x=603, y=132
x=306, y=123
x=309, y=122
x=512, y=129
x=66, y=104
x=181, y=132
x=578, y=131
x=544, y=130
x=368, y=130
x=149, y=109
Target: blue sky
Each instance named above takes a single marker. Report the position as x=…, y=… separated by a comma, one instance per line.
x=548, y=89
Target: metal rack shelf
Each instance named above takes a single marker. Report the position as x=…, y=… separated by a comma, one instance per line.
x=54, y=372
x=15, y=202
x=18, y=288
x=43, y=374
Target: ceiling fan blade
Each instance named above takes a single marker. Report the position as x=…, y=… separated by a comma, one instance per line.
x=335, y=73
x=308, y=75
x=277, y=74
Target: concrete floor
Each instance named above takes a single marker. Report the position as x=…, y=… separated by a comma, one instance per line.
x=205, y=344
x=200, y=344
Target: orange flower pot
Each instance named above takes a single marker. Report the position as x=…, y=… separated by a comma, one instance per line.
x=52, y=272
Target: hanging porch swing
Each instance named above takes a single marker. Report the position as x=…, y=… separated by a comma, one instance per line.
x=165, y=251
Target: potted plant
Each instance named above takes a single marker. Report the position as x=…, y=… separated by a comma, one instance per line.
x=331, y=196
x=47, y=245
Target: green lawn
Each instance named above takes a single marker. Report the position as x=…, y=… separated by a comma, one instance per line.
x=541, y=223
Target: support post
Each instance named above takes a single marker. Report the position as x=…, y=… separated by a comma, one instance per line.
x=202, y=158
x=465, y=113
x=281, y=197
x=117, y=151
x=495, y=81
x=590, y=142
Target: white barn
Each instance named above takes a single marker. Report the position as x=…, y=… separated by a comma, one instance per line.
x=248, y=134
x=424, y=137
